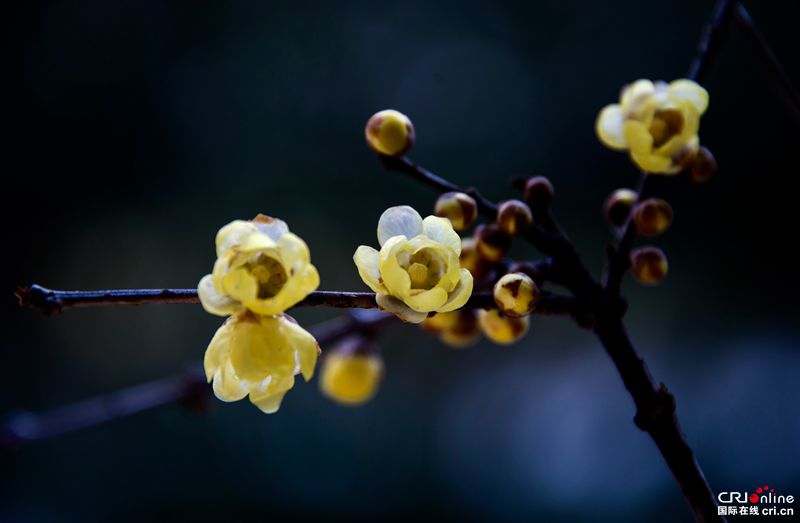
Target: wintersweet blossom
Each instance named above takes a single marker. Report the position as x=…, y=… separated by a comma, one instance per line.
x=656, y=123
x=260, y=267
x=259, y=356
x=417, y=270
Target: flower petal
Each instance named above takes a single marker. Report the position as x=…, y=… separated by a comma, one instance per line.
x=227, y=385
x=401, y=220
x=426, y=300
x=637, y=136
x=652, y=163
x=366, y=260
x=272, y=227
x=233, y=234
x=684, y=89
x=399, y=309
x=293, y=250
x=268, y=404
x=305, y=347
x=214, y=302
x=441, y=230
x=395, y=278
x=459, y=296
x=257, y=242
x=608, y=127
x=218, y=349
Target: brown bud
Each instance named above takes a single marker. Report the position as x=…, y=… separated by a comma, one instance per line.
x=502, y=329
x=649, y=265
x=471, y=259
x=652, y=216
x=516, y=294
x=457, y=207
x=618, y=206
x=703, y=167
x=514, y=217
x=491, y=242
x=539, y=192
x=465, y=330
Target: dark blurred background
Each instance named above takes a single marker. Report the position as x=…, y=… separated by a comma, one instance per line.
x=134, y=130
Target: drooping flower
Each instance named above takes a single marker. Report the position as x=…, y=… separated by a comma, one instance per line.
x=417, y=270
x=260, y=267
x=656, y=123
x=259, y=356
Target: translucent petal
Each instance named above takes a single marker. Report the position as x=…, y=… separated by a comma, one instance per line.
x=399, y=309
x=441, y=231
x=366, y=260
x=214, y=302
x=426, y=300
x=305, y=347
x=459, y=296
x=227, y=385
x=293, y=250
x=257, y=242
x=268, y=404
x=637, y=136
x=401, y=220
x=395, y=278
x=262, y=348
x=218, y=350
x=272, y=227
x=688, y=90
x=608, y=127
x=240, y=285
x=233, y=234
x=637, y=99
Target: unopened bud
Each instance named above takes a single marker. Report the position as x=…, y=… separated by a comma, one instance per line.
x=618, y=206
x=539, y=192
x=457, y=207
x=516, y=294
x=351, y=372
x=652, y=216
x=390, y=132
x=502, y=329
x=703, y=167
x=649, y=265
x=440, y=321
x=514, y=217
x=491, y=242
x=464, y=332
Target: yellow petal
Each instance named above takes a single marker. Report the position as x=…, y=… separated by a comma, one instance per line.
x=268, y=404
x=637, y=136
x=396, y=221
x=366, y=260
x=637, y=101
x=240, y=285
x=608, y=127
x=691, y=91
x=227, y=385
x=351, y=379
x=651, y=163
x=459, y=296
x=233, y=234
x=426, y=300
x=257, y=242
x=218, y=350
x=394, y=277
x=305, y=347
x=214, y=302
x=293, y=250
x=261, y=348
x=441, y=231
x=399, y=309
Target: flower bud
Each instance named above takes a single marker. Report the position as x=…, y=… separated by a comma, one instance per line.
x=516, y=294
x=649, y=265
x=440, y=321
x=529, y=269
x=457, y=207
x=390, y=132
x=652, y=216
x=470, y=258
x=539, y=192
x=491, y=242
x=502, y=329
x=703, y=167
x=618, y=206
x=351, y=372
x=514, y=217
x=464, y=332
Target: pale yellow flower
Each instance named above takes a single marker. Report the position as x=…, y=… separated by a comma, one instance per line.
x=417, y=270
x=259, y=356
x=261, y=267
x=351, y=379
x=656, y=123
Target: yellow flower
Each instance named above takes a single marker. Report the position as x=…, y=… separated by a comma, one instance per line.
x=656, y=123
x=351, y=379
x=259, y=356
x=417, y=270
x=261, y=267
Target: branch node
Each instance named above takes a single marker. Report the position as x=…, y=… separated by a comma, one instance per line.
x=657, y=410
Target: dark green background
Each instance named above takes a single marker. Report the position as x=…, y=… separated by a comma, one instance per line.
x=134, y=130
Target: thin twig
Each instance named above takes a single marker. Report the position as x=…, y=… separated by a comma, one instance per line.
x=51, y=301
x=710, y=41
x=187, y=388
x=754, y=36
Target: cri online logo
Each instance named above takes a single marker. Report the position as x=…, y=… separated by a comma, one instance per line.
x=763, y=494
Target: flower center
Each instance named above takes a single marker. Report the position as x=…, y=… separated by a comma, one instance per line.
x=666, y=124
x=270, y=275
x=425, y=268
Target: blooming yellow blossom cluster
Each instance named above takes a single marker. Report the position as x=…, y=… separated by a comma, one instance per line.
x=262, y=269
x=656, y=122
x=417, y=271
